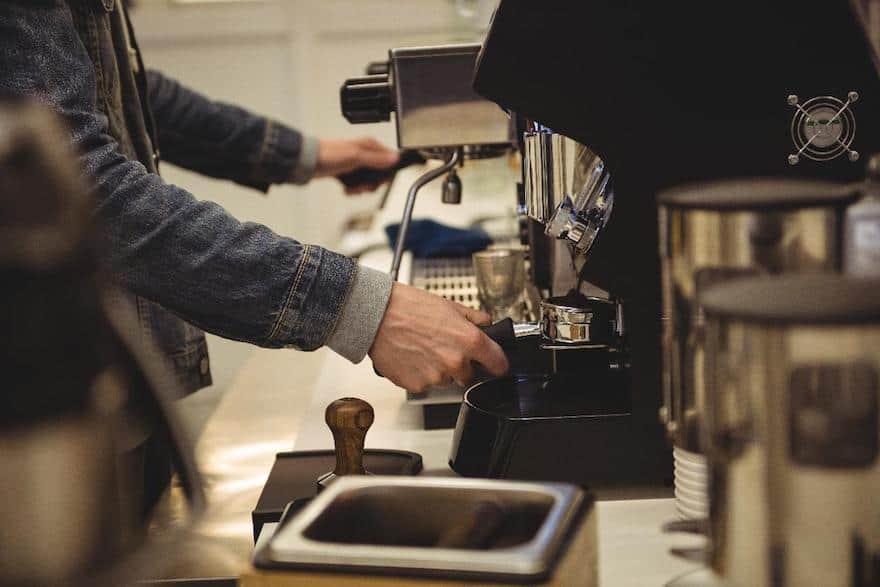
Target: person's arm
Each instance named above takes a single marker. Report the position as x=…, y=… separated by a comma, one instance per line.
x=238, y=280
x=225, y=141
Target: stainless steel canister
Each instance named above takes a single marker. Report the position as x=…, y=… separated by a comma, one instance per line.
x=791, y=431
x=714, y=232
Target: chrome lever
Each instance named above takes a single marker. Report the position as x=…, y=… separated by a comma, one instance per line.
x=425, y=179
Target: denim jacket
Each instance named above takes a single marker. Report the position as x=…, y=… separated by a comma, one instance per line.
x=188, y=264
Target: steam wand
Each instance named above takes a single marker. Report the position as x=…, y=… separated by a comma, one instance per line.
x=428, y=177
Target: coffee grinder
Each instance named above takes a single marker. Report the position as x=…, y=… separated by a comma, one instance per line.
x=598, y=396
x=580, y=395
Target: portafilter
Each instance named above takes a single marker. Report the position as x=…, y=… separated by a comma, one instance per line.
x=569, y=322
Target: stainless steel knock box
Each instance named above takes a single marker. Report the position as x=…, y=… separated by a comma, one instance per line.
x=469, y=529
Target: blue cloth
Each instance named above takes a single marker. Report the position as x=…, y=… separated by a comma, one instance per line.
x=427, y=238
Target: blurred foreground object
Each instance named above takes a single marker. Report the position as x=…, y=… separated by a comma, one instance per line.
x=79, y=396
x=44, y=207
x=868, y=13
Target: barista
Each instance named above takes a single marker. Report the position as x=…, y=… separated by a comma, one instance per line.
x=189, y=265
x=190, y=258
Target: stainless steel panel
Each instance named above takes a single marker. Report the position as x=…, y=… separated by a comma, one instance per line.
x=546, y=173
x=568, y=187
x=435, y=103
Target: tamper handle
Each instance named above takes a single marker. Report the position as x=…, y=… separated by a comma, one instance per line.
x=349, y=419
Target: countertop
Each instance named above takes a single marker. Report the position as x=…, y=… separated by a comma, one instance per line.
x=277, y=402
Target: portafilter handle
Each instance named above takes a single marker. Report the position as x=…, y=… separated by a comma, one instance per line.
x=349, y=419
x=368, y=176
x=503, y=332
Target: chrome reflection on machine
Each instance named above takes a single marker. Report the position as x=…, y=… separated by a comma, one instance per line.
x=567, y=187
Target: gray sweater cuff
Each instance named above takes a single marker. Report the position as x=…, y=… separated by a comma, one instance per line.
x=361, y=315
x=308, y=161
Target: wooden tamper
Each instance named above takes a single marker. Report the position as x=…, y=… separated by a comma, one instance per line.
x=349, y=419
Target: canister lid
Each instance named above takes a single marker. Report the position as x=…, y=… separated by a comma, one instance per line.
x=759, y=193
x=797, y=299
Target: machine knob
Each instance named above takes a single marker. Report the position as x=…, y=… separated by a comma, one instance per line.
x=349, y=419
x=366, y=99
x=451, y=192
x=378, y=68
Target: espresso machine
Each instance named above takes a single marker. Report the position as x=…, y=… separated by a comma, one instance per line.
x=438, y=117
x=570, y=369
x=437, y=113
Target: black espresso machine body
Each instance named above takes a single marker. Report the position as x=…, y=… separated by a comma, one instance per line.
x=665, y=94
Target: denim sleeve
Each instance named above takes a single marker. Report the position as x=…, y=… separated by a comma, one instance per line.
x=225, y=141
x=238, y=280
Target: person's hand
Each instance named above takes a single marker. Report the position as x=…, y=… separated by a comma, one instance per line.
x=339, y=156
x=425, y=340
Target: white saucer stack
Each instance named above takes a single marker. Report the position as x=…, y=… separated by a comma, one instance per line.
x=691, y=485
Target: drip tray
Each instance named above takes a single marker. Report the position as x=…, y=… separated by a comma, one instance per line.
x=473, y=530
x=452, y=278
